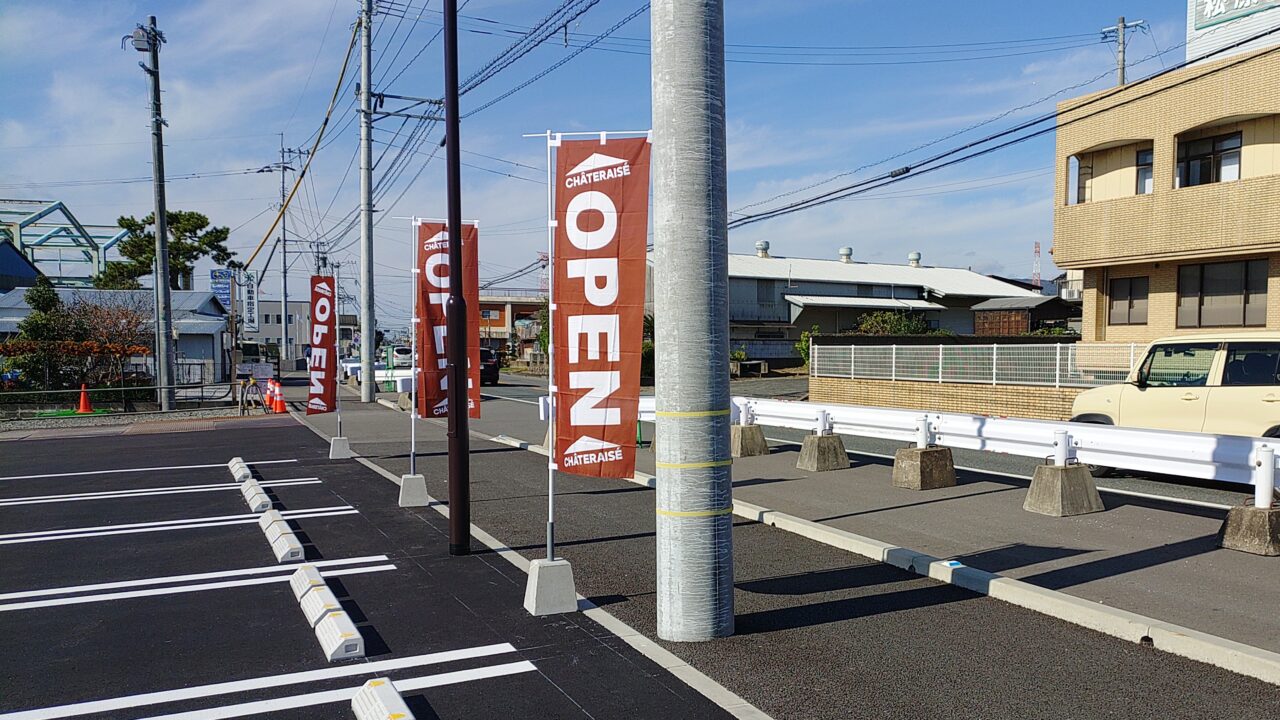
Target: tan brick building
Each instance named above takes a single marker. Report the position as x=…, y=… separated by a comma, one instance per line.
x=1168, y=200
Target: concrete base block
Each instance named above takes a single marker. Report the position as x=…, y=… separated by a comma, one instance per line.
x=550, y=590
x=404, y=401
x=923, y=468
x=1252, y=530
x=747, y=441
x=340, y=449
x=413, y=491
x=352, y=382
x=821, y=453
x=1062, y=491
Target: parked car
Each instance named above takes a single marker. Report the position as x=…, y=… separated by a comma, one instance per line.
x=401, y=356
x=1221, y=383
x=488, y=367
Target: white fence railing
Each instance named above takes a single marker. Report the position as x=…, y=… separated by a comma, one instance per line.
x=1057, y=365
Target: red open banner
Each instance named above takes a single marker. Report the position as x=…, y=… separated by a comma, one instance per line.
x=433, y=293
x=602, y=222
x=322, y=364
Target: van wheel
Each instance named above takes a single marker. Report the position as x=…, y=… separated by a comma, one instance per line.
x=1098, y=471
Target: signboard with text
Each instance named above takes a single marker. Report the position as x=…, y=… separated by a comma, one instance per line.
x=249, y=301
x=322, y=361
x=220, y=285
x=433, y=294
x=1213, y=12
x=602, y=221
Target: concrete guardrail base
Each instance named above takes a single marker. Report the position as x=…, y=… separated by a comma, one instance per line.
x=1062, y=491
x=821, y=453
x=923, y=468
x=1252, y=529
x=550, y=589
x=747, y=441
x=340, y=448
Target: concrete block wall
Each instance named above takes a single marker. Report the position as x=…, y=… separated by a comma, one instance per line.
x=1022, y=401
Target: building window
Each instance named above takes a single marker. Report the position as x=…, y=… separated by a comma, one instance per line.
x=1230, y=294
x=292, y=318
x=1128, y=301
x=1145, y=177
x=266, y=318
x=766, y=292
x=1078, y=176
x=1209, y=160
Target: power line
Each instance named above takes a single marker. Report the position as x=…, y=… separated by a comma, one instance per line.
x=914, y=171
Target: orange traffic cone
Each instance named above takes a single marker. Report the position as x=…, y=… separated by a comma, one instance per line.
x=271, y=395
x=279, y=406
x=85, y=408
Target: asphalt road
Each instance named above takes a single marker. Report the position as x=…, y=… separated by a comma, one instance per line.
x=131, y=594
x=821, y=633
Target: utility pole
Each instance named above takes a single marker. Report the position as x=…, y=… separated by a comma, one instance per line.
x=368, y=323
x=456, y=306
x=284, y=266
x=694, y=487
x=1119, y=31
x=148, y=39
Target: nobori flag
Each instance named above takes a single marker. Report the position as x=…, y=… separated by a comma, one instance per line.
x=433, y=295
x=602, y=222
x=322, y=364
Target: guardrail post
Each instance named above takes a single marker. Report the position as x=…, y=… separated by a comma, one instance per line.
x=923, y=434
x=925, y=466
x=1255, y=528
x=1264, y=478
x=822, y=450
x=746, y=438
x=824, y=423
x=1061, y=447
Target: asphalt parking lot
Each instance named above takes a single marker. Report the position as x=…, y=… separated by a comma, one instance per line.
x=137, y=583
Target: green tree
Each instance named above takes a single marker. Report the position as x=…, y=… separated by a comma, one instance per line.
x=893, y=322
x=190, y=239
x=802, y=345
x=544, y=327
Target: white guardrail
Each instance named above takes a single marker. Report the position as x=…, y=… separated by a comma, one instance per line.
x=1225, y=458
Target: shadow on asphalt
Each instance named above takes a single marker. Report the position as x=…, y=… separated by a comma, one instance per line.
x=834, y=611
x=1016, y=555
x=824, y=581
x=1126, y=563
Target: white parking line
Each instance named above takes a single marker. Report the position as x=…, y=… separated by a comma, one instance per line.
x=212, y=521
x=332, y=696
x=140, y=469
x=180, y=589
x=260, y=683
x=143, y=582
x=147, y=492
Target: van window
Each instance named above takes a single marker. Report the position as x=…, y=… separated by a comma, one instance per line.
x=1252, y=364
x=1178, y=364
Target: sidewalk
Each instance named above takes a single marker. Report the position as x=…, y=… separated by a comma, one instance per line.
x=820, y=633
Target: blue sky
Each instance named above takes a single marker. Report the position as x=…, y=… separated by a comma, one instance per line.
x=237, y=74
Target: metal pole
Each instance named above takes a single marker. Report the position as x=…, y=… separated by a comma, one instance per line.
x=284, y=268
x=456, y=306
x=1120, y=27
x=368, y=323
x=1264, y=480
x=164, y=320
x=414, y=372
x=694, y=486
x=337, y=376
x=551, y=356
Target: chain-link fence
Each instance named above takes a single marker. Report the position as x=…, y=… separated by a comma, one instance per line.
x=1057, y=365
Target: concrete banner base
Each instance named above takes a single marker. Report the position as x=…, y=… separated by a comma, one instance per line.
x=340, y=449
x=747, y=441
x=821, y=453
x=1062, y=491
x=413, y=491
x=924, y=468
x=404, y=401
x=1251, y=529
x=550, y=590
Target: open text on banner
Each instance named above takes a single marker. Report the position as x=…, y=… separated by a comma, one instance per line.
x=433, y=289
x=322, y=364
x=602, y=221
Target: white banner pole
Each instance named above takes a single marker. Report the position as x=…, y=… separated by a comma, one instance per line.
x=414, y=371
x=551, y=354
